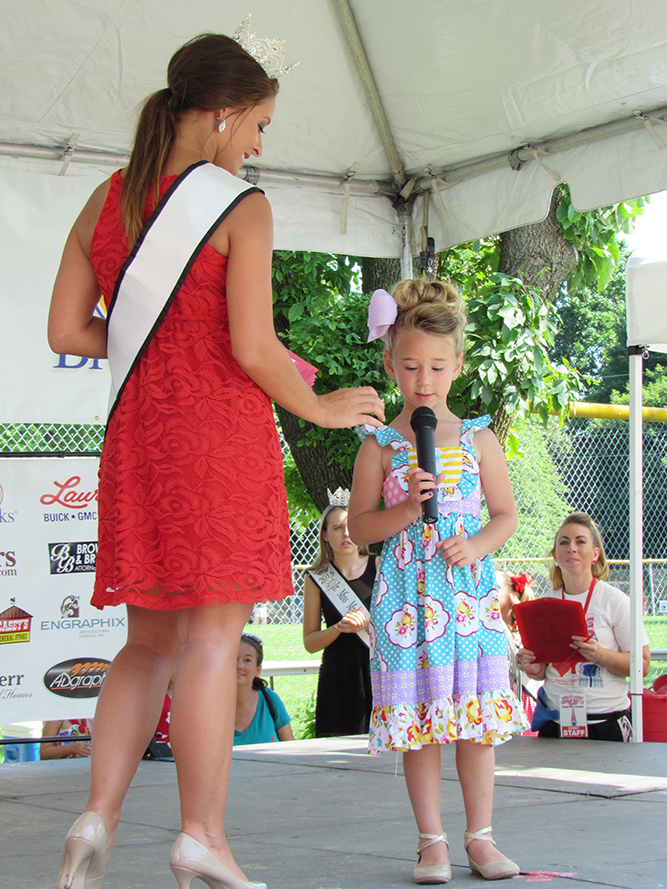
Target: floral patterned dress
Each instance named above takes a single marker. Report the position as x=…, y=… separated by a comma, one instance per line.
x=439, y=665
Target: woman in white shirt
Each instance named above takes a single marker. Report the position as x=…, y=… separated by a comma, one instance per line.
x=579, y=572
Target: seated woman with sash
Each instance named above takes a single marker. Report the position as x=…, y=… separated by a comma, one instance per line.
x=193, y=524
x=339, y=587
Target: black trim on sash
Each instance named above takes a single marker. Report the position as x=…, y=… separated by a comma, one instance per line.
x=174, y=293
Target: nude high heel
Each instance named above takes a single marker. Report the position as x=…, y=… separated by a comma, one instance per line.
x=494, y=870
x=438, y=873
x=83, y=863
x=189, y=859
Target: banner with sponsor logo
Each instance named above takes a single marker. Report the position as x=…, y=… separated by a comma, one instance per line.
x=36, y=214
x=55, y=648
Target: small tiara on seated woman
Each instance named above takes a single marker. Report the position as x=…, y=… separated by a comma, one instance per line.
x=268, y=51
x=340, y=497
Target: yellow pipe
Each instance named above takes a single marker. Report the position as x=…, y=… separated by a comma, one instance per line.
x=594, y=411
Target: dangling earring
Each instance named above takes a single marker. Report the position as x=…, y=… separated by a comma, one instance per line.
x=222, y=124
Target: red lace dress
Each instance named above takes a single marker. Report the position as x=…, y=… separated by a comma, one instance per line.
x=192, y=506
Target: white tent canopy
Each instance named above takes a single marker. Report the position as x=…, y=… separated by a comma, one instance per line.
x=484, y=103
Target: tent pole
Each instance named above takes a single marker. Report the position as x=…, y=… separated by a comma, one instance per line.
x=636, y=541
x=403, y=211
x=353, y=38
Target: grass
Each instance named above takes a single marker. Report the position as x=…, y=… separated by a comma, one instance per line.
x=283, y=642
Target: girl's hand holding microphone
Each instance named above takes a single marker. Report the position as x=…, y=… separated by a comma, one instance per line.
x=421, y=486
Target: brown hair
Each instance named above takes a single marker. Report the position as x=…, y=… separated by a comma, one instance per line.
x=256, y=643
x=600, y=569
x=432, y=307
x=209, y=72
x=325, y=552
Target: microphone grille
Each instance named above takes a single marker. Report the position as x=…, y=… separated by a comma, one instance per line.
x=423, y=416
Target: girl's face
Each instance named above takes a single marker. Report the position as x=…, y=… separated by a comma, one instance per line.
x=337, y=535
x=575, y=551
x=242, y=136
x=424, y=366
x=246, y=664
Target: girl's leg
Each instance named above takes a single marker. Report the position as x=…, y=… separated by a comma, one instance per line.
x=201, y=724
x=475, y=764
x=129, y=708
x=422, y=777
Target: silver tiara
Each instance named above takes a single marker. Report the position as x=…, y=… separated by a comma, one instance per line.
x=268, y=51
x=340, y=497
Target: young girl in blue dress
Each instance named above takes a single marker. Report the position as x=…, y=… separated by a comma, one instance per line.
x=439, y=666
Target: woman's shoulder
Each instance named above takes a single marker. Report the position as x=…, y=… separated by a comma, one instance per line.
x=89, y=217
x=612, y=595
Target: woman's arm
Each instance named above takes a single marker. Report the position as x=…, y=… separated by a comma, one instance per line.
x=500, y=504
x=73, y=329
x=256, y=347
x=285, y=733
x=314, y=637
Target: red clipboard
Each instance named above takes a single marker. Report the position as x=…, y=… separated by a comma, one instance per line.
x=546, y=627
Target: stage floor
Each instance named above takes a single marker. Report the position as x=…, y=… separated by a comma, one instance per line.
x=326, y=815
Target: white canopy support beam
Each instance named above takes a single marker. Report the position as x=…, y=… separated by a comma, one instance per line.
x=636, y=542
x=353, y=38
x=521, y=156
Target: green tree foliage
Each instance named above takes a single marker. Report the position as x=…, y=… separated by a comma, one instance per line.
x=592, y=338
x=595, y=235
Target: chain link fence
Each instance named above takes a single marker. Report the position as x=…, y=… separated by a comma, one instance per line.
x=583, y=465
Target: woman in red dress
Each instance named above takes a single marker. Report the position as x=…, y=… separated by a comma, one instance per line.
x=193, y=519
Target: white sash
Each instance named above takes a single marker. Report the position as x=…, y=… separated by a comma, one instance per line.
x=181, y=224
x=340, y=594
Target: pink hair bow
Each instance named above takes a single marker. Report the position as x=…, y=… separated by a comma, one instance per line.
x=382, y=311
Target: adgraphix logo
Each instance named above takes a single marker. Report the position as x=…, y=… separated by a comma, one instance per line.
x=77, y=678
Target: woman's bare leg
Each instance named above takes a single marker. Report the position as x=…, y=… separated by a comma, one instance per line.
x=422, y=777
x=201, y=725
x=129, y=708
x=475, y=764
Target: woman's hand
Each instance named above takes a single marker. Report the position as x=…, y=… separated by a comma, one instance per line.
x=458, y=551
x=525, y=661
x=354, y=621
x=351, y=407
x=588, y=648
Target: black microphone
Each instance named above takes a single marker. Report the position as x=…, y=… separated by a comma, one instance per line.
x=424, y=422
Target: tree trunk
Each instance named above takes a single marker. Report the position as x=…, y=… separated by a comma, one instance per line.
x=319, y=470
x=542, y=258
x=538, y=254
x=379, y=274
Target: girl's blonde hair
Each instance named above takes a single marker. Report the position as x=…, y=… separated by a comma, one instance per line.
x=601, y=567
x=326, y=553
x=433, y=307
x=521, y=589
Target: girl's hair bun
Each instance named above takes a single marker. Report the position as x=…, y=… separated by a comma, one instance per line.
x=433, y=307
